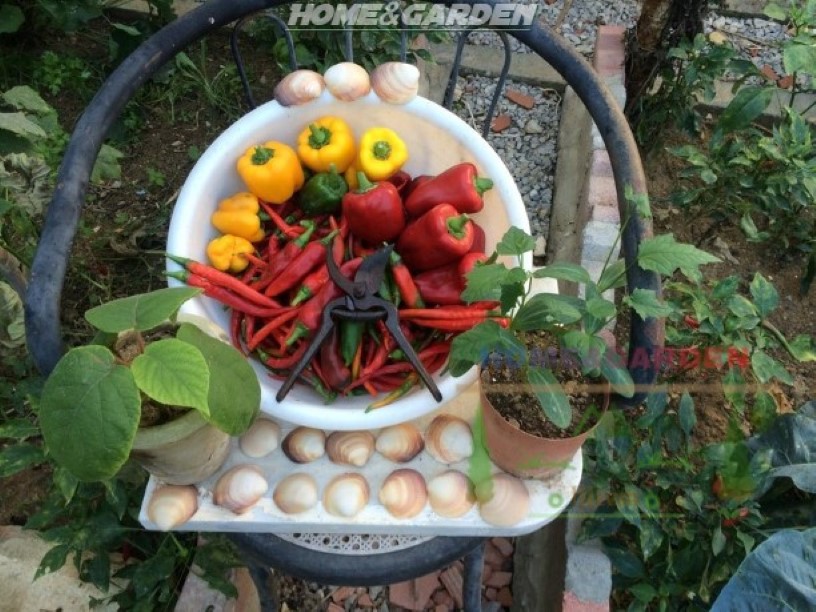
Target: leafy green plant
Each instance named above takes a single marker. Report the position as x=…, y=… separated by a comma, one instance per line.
x=56, y=72
x=730, y=332
x=177, y=365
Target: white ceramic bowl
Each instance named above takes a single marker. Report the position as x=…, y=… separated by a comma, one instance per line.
x=436, y=139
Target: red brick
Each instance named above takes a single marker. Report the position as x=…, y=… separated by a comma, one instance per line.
x=572, y=604
x=452, y=579
x=442, y=608
x=602, y=191
x=505, y=597
x=501, y=123
x=608, y=62
x=504, y=545
x=519, y=98
x=605, y=214
x=341, y=594
x=414, y=594
x=487, y=571
x=443, y=598
x=333, y=607
x=609, y=50
x=500, y=579
x=490, y=593
x=493, y=555
x=786, y=82
x=600, y=166
x=769, y=73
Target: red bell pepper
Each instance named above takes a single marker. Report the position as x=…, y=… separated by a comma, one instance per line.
x=458, y=186
x=438, y=237
x=374, y=212
x=416, y=182
x=401, y=180
x=479, y=239
x=444, y=285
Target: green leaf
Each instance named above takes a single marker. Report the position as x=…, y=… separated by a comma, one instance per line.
x=23, y=98
x=485, y=282
x=544, y=310
x=717, y=541
x=589, y=349
x=646, y=303
x=53, y=560
x=643, y=592
x=600, y=308
x=766, y=367
x=774, y=11
x=18, y=429
x=515, y=242
x=89, y=413
x=140, y=312
x=664, y=255
x=751, y=232
x=565, y=271
x=234, y=395
x=651, y=537
x=11, y=18
x=741, y=306
x=551, y=396
x=475, y=345
x=748, y=104
x=19, y=124
x=614, y=370
x=510, y=295
x=799, y=57
x=763, y=411
x=106, y=167
x=627, y=504
x=685, y=414
x=613, y=276
x=639, y=200
x=734, y=388
x=765, y=296
x=802, y=348
x=18, y=457
x=174, y=373
x=626, y=562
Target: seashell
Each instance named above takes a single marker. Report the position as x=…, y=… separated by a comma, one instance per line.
x=347, y=81
x=304, y=444
x=395, y=82
x=350, y=447
x=400, y=443
x=240, y=488
x=346, y=495
x=449, y=439
x=296, y=493
x=509, y=501
x=260, y=439
x=299, y=87
x=172, y=505
x=451, y=494
x=403, y=493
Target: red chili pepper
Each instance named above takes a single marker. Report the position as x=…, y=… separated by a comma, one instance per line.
x=742, y=513
x=312, y=311
x=255, y=339
x=235, y=330
x=374, y=211
x=397, y=393
x=314, y=281
x=309, y=258
x=479, y=239
x=458, y=185
x=336, y=374
x=224, y=280
x=691, y=321
x=442, y=285
x=287, y=361
x=428, y=356
x=438, y=237
x=418, y=180
x=224, y=295
x=290, y=231
x=405, y=283
x=463, y=324
x=285, y=257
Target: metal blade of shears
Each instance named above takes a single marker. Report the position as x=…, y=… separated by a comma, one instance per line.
x=372, y=271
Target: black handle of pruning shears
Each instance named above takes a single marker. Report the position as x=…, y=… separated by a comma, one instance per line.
x=361, y=303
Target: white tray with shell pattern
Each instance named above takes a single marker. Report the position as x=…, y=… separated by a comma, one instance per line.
x=517, y=506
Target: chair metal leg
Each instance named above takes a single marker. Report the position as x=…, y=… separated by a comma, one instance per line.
x=261, y=577
x=472, y=580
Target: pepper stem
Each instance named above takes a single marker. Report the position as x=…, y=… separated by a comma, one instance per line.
x=262, y=155
x=456, y=225
x=178, y=259
x=363, y=184
x=301, y=240
x=381, y=150
x=181, y=275
x=320, y=136
x=298, y=332
x=482, y=184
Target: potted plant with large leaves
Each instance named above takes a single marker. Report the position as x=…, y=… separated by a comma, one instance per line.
x=151, y=387
x=546, y=379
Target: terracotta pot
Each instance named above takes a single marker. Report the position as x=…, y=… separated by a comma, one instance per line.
x=184, y=451
x=526, y=455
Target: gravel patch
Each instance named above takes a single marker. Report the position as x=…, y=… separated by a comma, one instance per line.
x=528, y=147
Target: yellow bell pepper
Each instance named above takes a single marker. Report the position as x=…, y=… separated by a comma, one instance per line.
x=382, y=153
x=351, y=177
x=238, y=215
x=325, y=142
x=271, y=171
x=228, y=252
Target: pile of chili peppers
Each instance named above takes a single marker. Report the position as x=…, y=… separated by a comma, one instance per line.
x=269, y=266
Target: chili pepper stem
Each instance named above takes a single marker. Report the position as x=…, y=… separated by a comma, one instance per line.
x=482, y=184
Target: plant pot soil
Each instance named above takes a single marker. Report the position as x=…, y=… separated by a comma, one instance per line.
x=186, y=450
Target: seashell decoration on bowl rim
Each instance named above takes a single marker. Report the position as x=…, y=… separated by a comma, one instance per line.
x=436, y=139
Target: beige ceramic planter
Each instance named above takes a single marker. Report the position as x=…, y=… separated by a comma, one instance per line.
x=525, y=455
x=184, y=451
